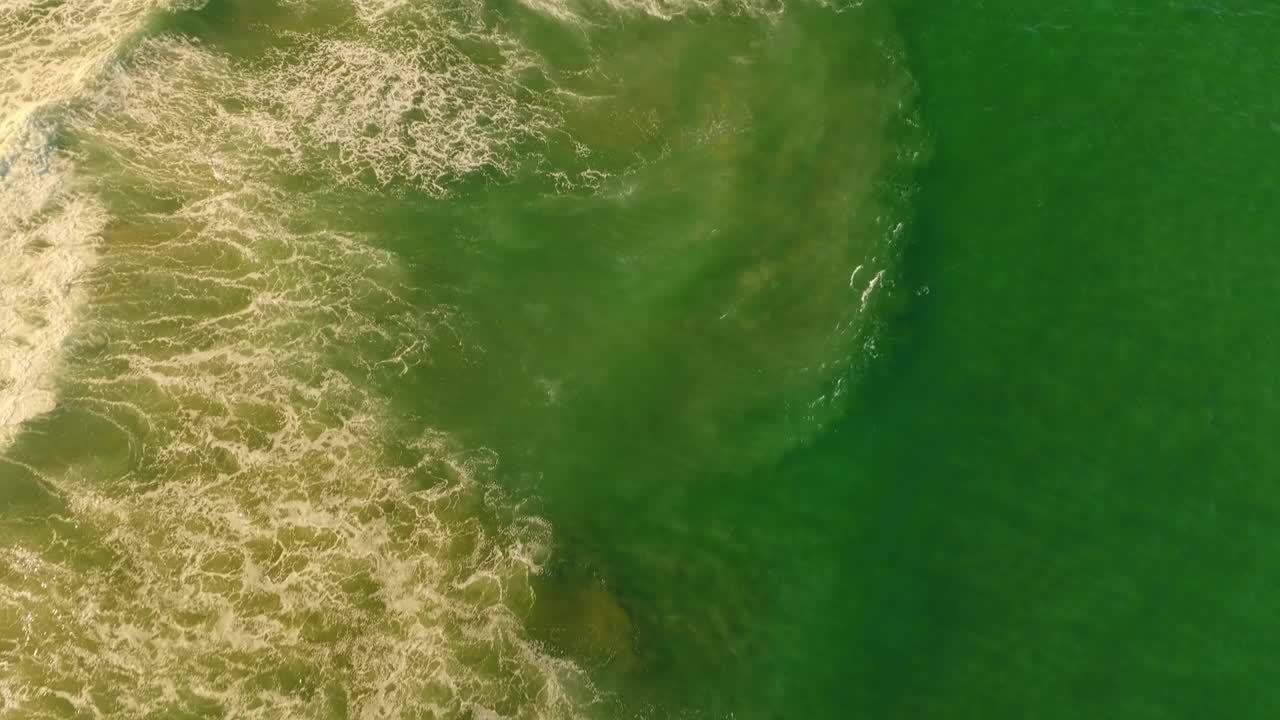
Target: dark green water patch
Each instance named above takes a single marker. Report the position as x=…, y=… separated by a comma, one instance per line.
x=1072, y=459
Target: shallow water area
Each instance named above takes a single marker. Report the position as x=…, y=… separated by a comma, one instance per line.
x=348, y=306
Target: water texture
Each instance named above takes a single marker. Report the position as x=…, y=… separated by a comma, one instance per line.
x=636, y=359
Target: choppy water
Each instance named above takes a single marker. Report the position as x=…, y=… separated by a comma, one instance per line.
x=300, y=295
x=635, y=358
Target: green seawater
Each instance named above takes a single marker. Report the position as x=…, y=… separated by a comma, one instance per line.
x=646, y=359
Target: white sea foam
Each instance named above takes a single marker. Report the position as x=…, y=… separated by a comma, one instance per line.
x=420, y=114
x=870, y=289
x=276, y=544
x=47, y=229
x=46, y=237
x=255, y=532
x=594, y=12
x=49, y=50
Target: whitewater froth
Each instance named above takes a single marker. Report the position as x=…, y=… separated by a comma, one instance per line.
x=47, y=228
x=256, y=533
x=247, y=524
x=46, y=245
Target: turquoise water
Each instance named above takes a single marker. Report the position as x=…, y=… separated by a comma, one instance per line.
x=382, y=359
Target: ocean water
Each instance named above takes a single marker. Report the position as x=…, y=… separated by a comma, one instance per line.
x=636, y=359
